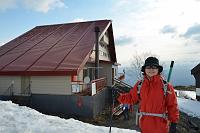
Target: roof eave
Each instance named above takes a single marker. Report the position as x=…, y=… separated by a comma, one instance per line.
x=195, y=69
x=38, y=73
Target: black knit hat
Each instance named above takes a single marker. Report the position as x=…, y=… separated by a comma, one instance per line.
x=152, y=61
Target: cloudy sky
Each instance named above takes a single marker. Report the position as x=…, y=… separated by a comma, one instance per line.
x=167, y=28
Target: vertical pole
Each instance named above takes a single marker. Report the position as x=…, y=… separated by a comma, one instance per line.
x=111, y=110
x=170, y=71
x=97, y=53
x=11, y=89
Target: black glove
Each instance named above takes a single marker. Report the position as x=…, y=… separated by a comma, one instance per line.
x=172, y=128
x=115, y=93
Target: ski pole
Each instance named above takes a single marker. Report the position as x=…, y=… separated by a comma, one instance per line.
x=170, y=71
x=111, y=111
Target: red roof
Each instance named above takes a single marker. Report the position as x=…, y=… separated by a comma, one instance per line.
x=61, y=49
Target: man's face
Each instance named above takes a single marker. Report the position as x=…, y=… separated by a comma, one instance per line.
x=151, y=70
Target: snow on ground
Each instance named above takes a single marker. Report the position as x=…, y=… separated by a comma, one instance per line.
x=21, y=119
x=186, y=94
x=190, y=107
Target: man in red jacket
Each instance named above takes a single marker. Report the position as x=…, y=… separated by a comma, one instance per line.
x=156, y=109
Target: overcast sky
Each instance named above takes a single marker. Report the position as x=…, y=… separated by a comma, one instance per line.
x=167, y=28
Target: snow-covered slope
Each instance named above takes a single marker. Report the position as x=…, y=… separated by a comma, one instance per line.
x=187, y=103
x=190, y=107
x=20, y=119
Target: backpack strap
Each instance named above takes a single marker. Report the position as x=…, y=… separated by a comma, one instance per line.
x=165, y=87
x=139, y=88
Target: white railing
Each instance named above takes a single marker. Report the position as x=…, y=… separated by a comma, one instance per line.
x=79, y=87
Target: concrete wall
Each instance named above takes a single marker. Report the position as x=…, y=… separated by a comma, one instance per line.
x=5, y=82
x=68, y=105
x=4, y=98
x=100, y=100
x=71, y=105
x=56, y=85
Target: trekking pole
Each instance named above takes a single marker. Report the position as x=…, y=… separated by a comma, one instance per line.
x=111, y=111
x=114, y=91
x=170, y=71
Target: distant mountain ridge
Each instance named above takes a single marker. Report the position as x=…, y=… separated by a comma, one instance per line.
x=180, y=76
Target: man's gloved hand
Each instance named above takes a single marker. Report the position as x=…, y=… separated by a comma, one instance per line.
x=172, y=128
x=115, y=93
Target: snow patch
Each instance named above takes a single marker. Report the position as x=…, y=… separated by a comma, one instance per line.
x=189, y=107
x=22, y=119
x=186, y=94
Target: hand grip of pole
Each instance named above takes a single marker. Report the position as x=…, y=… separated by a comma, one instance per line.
x=172, y=64
x=170, y=71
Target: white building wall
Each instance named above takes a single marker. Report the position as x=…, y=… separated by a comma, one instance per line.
x=57, y=85
x=6, y=81
x=106, y=71
x=103, y=52
x=80, y=75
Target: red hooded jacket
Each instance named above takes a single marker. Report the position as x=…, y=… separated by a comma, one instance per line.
x=153, y=100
